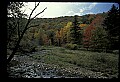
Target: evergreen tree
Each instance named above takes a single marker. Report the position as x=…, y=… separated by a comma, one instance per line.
x=75, y=32
x=111, y=25
x=50, y=34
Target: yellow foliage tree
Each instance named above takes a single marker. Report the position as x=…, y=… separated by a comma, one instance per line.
x=65, y=32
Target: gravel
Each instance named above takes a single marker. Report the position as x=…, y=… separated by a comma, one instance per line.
x=30, y=68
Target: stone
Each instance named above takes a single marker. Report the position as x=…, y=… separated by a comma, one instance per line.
x=37, y=77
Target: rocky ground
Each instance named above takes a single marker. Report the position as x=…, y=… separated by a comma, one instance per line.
x=24, y=66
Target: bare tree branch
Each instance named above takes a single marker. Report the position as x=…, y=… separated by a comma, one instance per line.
x=18, y=29
x=33, y=10
x=38, y=14
x=23, y=32
x=24, y=11
x=35, y=3
x=32, y=26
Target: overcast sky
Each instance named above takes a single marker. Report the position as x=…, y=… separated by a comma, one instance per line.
x=57, y=9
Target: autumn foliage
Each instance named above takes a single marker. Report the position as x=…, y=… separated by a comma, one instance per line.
x=88, y=31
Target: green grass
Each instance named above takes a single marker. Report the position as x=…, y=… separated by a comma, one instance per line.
x=99, y=62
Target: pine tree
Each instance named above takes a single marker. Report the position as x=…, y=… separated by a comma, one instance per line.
x=75, y=32
x=111, y=25
x=51, y=34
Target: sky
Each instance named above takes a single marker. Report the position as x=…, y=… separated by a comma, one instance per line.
x=58, y=9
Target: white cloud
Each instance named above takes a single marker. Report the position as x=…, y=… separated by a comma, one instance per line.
x=87, y=8
x=76, y=13
x=70, y=12
x=92, y=5
x=60, y=8
x=90, y=13
x=52, y=10
x=81, y=10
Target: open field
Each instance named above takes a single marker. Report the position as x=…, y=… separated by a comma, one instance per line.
x=106, y=63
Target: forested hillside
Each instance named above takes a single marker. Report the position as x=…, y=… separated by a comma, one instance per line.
x=56, y=31
x=60, y=22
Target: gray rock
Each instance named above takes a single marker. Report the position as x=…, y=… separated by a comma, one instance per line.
x=37, y=77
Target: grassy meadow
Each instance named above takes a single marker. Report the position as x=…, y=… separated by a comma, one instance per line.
x=106, y=63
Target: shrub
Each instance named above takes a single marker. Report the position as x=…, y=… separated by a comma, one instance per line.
x=116, y=51
x=74, y=62
x=14, y=63
x=78, y=64
x=72, y=46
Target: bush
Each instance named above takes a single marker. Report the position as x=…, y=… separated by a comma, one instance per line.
x=116, y=51
x=14, y=63
x=72, y=46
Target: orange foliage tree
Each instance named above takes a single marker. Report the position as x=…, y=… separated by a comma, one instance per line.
x=87, y=34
